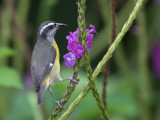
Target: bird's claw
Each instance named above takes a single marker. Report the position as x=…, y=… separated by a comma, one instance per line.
x=73, y=80
x=58, y=103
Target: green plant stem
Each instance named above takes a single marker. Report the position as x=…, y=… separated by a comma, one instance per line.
x=19, y=39
x=83, y=35
x=105, y=13
x=157, y=116
x=18, y=45
x=105, y=59
x=144, y=82
x=5, y=31
x=92, y=83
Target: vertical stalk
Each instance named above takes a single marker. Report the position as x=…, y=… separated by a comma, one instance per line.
x=157, y=115
x=83, y=36
x=20, y=43
x=5, y=31
x=143, y=67
x=22, y=14
x=106, y=68
x=105, y=13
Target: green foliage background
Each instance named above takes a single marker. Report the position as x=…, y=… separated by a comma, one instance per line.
x=132, y=87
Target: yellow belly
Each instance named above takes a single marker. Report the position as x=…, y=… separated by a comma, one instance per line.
x=55, y=73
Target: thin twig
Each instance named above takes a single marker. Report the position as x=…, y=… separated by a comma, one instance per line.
x=106, y=68
x=105, y=58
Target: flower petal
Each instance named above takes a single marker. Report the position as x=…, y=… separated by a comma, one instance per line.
x=70, y=59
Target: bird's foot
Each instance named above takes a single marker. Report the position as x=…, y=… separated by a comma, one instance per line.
x=58, y=103
x=73, y=80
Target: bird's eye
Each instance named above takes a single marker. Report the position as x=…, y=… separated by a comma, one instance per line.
x=51, y=26
x=54, y=25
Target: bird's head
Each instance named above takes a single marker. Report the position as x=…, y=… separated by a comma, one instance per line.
x=48, y=29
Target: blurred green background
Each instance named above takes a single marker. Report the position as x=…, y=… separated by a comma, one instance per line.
x=133, y=86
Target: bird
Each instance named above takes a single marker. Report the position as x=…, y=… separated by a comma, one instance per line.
x=45, y=65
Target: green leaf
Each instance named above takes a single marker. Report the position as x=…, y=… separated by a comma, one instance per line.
x=20, y=108
x=6, y=52
x=9, y=77
x=121, y=101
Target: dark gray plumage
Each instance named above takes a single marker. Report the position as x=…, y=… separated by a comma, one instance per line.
x=43, y=54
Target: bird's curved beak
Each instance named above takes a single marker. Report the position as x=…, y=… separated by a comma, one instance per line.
x=60, y=24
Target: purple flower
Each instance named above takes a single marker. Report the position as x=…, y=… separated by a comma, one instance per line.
x=70, y=59
x=72, y=40
x=78, y=50
x=76, y=32
x=155, y=55
x=93, y=30
x=71, y=45
x=89, y=41
x=87, y=30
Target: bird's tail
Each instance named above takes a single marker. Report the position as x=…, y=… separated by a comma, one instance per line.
x=40, y=96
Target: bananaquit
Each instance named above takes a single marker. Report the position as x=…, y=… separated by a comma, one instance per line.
x=45, y=66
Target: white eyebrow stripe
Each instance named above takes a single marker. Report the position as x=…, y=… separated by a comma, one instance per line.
x=44, y=27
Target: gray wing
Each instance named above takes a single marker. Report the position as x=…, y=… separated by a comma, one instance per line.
x=43, y=58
